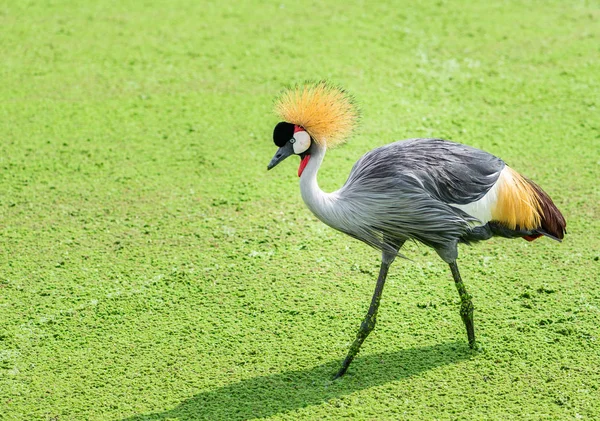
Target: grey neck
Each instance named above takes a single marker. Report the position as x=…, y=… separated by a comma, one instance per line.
x=322, y=204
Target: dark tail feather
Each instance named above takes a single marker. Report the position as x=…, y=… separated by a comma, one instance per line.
x=553, y=224
x=532, y=237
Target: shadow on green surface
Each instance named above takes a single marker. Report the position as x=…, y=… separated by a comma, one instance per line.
x=264, y=396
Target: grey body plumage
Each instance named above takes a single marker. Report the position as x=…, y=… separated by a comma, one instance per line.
x=405, y=191
x=433, y=191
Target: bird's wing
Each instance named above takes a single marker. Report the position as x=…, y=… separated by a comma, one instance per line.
x=419, y=188
x=450, y=172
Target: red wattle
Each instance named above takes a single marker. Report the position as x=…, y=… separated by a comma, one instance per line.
x=303, y=164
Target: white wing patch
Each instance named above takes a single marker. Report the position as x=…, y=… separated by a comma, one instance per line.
x=482, y=208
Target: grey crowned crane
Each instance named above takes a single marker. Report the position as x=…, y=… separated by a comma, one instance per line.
x=436, y=192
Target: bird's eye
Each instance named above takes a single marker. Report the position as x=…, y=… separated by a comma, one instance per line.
x=292, y=140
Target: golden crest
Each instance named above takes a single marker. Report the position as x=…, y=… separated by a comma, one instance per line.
x=326, y=112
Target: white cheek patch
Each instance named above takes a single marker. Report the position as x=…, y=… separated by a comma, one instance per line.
x=302, y=142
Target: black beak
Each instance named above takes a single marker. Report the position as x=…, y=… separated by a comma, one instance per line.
x=282, y=153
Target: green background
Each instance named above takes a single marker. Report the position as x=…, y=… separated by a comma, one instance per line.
x=151, y=269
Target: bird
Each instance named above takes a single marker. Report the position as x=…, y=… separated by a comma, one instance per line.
x=428, y=190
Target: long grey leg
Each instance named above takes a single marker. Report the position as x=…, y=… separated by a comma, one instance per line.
x=370, y=319
x=466, y=306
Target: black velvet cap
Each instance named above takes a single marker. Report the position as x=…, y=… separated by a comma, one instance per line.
x=283, y=133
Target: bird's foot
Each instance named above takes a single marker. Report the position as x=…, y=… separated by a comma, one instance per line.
x=473, y=345
x=344, y=367
x=340, y=373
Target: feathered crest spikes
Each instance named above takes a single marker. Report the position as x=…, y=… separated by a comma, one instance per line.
x=325, y=111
